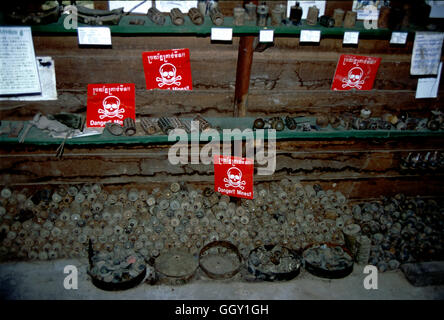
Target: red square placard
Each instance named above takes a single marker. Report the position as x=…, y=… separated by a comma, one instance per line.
x=110, y=103
x=355, y=72
x=233, y=176
x=168, y=69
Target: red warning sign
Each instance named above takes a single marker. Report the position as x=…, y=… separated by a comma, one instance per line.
x=110, y=103
x=233, y=176
x=355, y=72
x=168, y=69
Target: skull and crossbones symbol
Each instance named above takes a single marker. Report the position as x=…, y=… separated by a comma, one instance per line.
x=354, y=78
x=168, y=75
x=234, y=178
x=111, y=109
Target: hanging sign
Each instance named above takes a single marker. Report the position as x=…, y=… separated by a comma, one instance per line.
x=168, y=69
x=110, y=103
x=233, y=176
x=355, y=72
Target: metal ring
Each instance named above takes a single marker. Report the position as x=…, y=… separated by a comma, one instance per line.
x=224, y=244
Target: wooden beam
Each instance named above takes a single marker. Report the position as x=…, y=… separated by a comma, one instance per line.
x=244, y=62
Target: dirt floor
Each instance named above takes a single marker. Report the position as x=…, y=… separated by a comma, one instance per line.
x=44, y=280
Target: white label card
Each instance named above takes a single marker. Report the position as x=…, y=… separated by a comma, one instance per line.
x=46, y=69
x=222, y=34
x=310, y=35
x=428, y=87
x=266, y=36
x=351, y=37
x=399, y=38
x=94, y=36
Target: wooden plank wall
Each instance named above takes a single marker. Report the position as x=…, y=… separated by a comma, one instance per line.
x=288, y=78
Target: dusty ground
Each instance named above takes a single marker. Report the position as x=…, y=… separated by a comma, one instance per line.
x=44, y=280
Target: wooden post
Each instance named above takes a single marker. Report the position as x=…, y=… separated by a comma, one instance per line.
x=244, y=62
x=243, y=72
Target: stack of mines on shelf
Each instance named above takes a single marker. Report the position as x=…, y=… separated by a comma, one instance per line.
x=57, y=223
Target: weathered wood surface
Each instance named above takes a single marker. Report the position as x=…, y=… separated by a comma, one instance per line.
x=218, y=103
x=354, y=165
x=287, y=78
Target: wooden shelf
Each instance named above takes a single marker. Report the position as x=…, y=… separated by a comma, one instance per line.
x=39, y=137
x=188, y=28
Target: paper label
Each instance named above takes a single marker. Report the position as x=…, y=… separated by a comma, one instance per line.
x=94, y=36
x=426, y=53
x=233, y=176
x=19, y=74
x=399, y=38
x=310, y=36
x=168, y=69
x=266, y=35
x=110, y=103
x=428, y=87
x=351, y=37
x=355, y=72
x=46, y=69
x=222, y=34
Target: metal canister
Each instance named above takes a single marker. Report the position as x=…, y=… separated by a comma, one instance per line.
x=338, y=15
x=239, y=16
x=350, y=19
x=277, y=15
x=149, y=126
x=296, y=14
x=327, y=21
x=262, y=15
x=205, y=6
x=177, y=124
x=129, y=126
x=250, y=9
x=351, y=235
x=156, y=16
x=177, y=17
x=203, y=124
x=258, y=123
x=290, y=123
x=195, y=16
x=363, y=250
x=312, y=16
x=165, y=125
x=216, y=16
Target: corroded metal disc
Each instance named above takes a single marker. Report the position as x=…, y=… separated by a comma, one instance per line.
x=176, y=264
x=114, y=128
